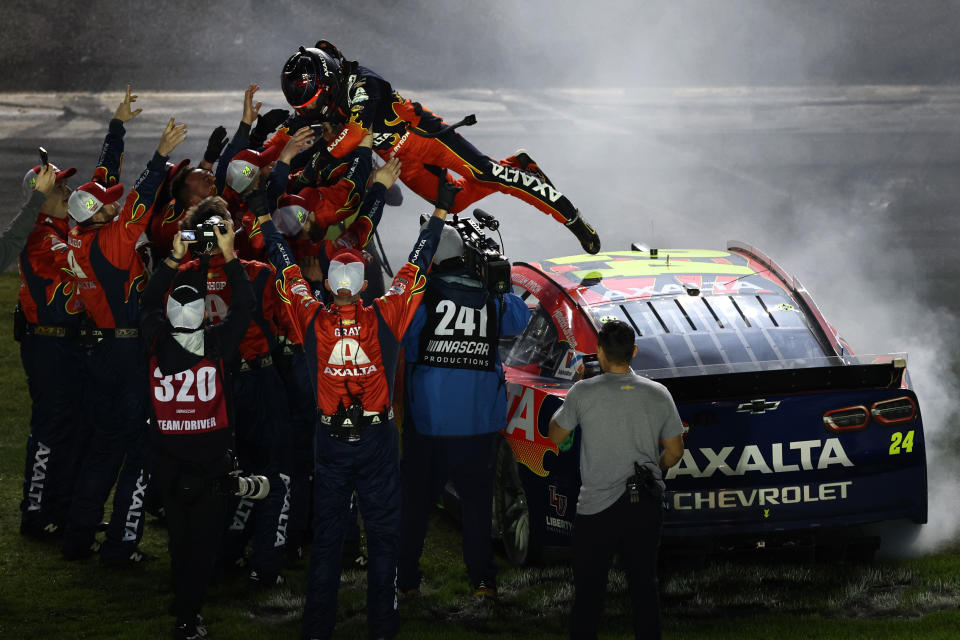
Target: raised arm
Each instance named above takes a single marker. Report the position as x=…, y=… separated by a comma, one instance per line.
x=110, y=162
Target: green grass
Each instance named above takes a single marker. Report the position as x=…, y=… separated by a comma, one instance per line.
x=42, y=596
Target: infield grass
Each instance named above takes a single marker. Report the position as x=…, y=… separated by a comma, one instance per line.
x=41, y=596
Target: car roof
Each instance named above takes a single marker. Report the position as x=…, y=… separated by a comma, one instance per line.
x=624, y=275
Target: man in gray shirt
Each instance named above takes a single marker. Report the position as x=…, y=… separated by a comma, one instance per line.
x=624, y=419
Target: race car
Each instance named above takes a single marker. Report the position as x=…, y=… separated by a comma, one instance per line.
x=787, y=431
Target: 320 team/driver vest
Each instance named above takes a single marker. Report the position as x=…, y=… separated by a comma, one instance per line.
x=457, y=336
x=191, y=409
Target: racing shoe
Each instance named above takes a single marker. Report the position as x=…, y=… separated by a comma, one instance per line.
x=73, y=553
x=263, y=580
x=521, y=160
x=588, y=238
x=46, y=533
x=135, y=558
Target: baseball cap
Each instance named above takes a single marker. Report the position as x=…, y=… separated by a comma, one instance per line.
x=244, y=166
x=346, y=272
x=292, y=211
x=30, y=179
x=89, y=198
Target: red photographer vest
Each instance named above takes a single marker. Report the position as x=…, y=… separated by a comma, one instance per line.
x=189, y=402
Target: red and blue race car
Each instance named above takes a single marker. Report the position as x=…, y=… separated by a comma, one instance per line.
x=787, y=431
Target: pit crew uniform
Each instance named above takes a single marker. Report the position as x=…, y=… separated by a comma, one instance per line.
x=190, y=461
x=262, y=424
x=111, y=279
x=352, y=353
x=447, y=435
x=49, y=315
x=336, y=201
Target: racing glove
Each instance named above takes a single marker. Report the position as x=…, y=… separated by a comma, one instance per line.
x=446, y=193
x=215, y=145
x=257, y=201
x=267, y=123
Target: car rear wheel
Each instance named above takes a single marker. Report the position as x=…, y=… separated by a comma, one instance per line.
x=511, y=510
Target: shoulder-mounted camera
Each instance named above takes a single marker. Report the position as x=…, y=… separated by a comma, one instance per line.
x=481, y=254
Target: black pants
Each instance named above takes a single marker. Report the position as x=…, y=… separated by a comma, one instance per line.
x=428, y=462
x=195, y=512
x=633, y=531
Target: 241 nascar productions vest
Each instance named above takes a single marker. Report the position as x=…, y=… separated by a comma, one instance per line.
x=458, y=337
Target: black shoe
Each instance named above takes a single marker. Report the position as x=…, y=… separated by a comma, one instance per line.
x=73, y=553
x=588, y=238
x=265, y=580
x=190, y=631
x=132, y=559
x=46, y=533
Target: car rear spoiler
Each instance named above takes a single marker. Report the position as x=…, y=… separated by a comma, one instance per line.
x=887, y=375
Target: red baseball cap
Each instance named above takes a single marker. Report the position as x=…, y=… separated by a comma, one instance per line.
x=89, y=198
x=30, y=179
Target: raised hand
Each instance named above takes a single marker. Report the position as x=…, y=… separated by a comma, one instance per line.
x=446, y=193
x=215, y=144
x=250, y=110
x=225, y=239
x=45, y=180
x=302, y=139
x=123, y=112
x=172, y=136
x=388, y=173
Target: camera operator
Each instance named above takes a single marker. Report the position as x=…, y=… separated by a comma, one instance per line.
x=624, y=418
x=352, y=350
x=193, y=438
x=111, y=279
x=452, y=344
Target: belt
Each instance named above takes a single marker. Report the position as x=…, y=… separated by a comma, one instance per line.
x=256, y=363
x=350, y=433
x=51, y=332
x=100, y=334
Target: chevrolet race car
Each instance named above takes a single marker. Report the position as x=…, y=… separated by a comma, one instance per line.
x=787, y=432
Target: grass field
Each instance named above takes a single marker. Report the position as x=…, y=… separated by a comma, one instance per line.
x=42, y=596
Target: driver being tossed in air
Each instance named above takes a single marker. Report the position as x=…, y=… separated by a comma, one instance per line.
x=347, y=99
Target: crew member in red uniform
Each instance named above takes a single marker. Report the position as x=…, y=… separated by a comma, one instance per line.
x=289, y=217
x=48, y=317
x=352, y=354
x=262, y=425
x=322, y=86
x=193, y=439
x=110, y=275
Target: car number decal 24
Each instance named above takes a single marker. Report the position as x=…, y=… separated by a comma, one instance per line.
x=900, y=442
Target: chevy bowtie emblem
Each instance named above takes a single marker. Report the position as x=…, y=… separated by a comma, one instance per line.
x=758, y=406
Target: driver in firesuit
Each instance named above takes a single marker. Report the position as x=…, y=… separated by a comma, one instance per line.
x=323, y=86
x=352, y=352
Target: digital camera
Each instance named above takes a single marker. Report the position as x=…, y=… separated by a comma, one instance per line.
x=205, y=236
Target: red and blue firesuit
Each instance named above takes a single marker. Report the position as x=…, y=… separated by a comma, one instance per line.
x=111, y=279
x=352, y=355
x=51, y=357
x=396, y=122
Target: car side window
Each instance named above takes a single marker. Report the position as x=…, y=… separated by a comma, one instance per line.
x=538, y=345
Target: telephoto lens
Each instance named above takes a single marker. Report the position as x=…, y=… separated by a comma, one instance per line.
x=250, y=487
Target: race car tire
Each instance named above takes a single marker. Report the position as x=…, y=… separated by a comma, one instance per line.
x=511, y=511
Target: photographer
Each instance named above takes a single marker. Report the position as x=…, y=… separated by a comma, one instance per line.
x=262, y=424
x=624, y=418
x=454, y=435
x=193, y=438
